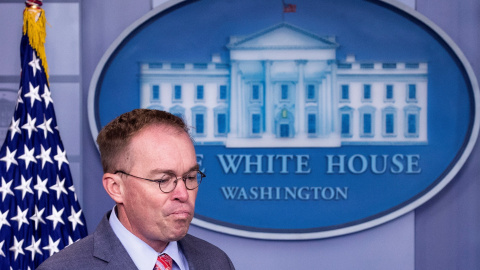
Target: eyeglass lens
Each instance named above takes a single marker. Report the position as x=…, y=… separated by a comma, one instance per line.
x=169, y=181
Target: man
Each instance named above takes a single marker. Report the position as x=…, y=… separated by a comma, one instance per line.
x=151, y=172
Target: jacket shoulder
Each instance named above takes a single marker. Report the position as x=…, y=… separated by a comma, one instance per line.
x=82, y=251
x=96, y=251
x=203, y=255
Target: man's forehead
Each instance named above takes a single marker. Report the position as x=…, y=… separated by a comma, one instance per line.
x=162, y=149
x=163, y=128
x=163, y=135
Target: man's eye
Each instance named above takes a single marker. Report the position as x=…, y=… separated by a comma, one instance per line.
x=163, y=181
x=192, y=177
x=167, y=178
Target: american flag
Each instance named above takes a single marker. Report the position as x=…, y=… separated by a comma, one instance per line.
x=287, y=8
x=39, y=210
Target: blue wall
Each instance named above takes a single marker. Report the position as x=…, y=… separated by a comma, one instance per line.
x=441, y=234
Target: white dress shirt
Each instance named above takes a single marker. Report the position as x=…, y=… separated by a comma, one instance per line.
x=142, y=254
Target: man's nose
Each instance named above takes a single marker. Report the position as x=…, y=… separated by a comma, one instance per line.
x=180, y=192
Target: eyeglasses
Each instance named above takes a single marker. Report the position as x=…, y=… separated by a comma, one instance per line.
x=168, y=182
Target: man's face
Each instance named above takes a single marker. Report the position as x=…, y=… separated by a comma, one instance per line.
x=149, y=213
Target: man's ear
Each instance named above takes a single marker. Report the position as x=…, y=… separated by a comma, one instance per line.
x=113, y=184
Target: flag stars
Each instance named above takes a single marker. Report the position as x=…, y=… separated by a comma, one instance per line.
x=1, y=249
x=46, y=126
x=70, y=241
x=9, y=158
x=35, y=64
x=61, y=157
x=14, y=128
x=34, y=248
x=17, y=247
x=47, y=96
x=5, y=189
x=19, y=100
x=28, y=156
x=37, y=217
x=74, y=218
x=33, y=94
x=72, y=189
x=30, y=125
x=52, y=246
x=24, y=187
x=56, y=217
x=59, y=187
x=45, y=156
x=41, y=186
x=33, y=205
x=3, y=219
x=21, y=217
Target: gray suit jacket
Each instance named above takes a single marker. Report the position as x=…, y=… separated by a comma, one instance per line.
x=103, y=250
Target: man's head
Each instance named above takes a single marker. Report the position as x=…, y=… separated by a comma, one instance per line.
x=149, y=144
x=114, y=138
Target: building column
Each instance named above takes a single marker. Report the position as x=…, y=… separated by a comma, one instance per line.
x=329, y=104
x=321, y=107
x=335, y=97
x=324, y=107
x=269, y=97
x=234, y=97
x=241, y=108
x=300, y=101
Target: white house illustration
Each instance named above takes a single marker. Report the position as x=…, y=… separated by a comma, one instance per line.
x=285, y=87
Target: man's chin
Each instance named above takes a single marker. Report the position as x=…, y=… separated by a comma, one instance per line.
x=178, y=233
x=178, y=228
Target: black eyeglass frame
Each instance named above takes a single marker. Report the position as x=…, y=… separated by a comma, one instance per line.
x=184, y=178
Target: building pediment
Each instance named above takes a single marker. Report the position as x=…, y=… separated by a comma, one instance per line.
x=282, y=36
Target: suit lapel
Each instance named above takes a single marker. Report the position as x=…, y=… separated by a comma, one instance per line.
x=189, y=252
x=107, y=247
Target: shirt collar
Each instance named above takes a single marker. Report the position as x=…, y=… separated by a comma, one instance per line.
x=142, y=254
x=173, y=251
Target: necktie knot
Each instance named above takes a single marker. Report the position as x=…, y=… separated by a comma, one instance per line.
x=164, y=262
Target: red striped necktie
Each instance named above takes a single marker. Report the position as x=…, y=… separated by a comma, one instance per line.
x=164, y=262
